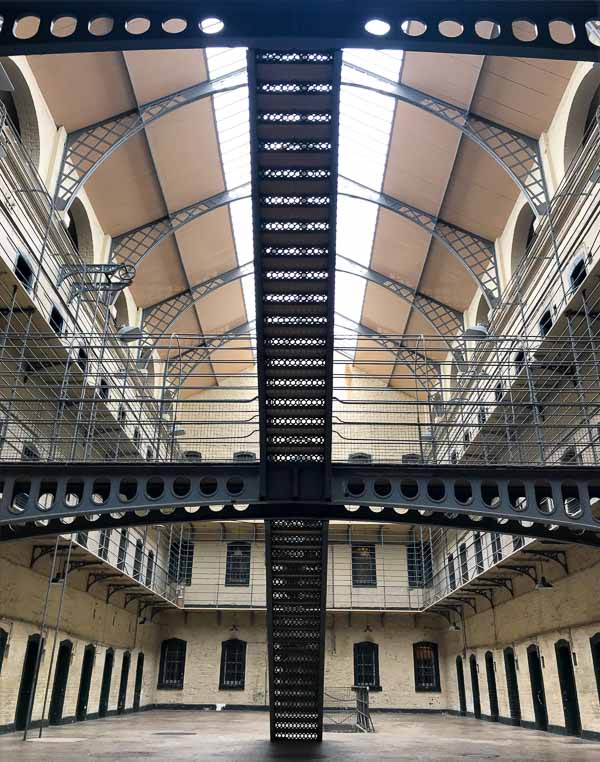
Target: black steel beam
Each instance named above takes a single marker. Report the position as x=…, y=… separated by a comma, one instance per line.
x=310, y=24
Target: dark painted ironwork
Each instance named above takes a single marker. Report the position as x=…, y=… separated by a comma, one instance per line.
x=94, y=279
x=483, y=27
x=296, y=559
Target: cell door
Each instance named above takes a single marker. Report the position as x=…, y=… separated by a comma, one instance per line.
x=512, y=685
x=538, y=694
x=475, y=687
x=28, y=681
x=492, y=690
x=568, y=687
x=109, y=660
x=460, y=679
x=85, y=682
x=139, y=675
x=59, y=687
x=122, y=700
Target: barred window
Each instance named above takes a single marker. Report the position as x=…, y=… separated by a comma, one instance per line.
x=451, y=572
x=364, y=569
x=496, y=543
x=233, y=665
x=122, y=553
x=427, y=668
x=518, y=541
x=237, y=569
x=3, y=641
x=172, y=664
x=150, y=568
x=478, y=552
x=104, y=543
x=366, y=664
x=137, y=560
x=419, y=559
x=464, y=563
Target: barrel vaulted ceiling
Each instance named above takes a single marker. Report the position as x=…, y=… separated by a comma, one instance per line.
x=202, y=149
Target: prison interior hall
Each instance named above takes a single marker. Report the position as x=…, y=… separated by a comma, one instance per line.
x=299, y=380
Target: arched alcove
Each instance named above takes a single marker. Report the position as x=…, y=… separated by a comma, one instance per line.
x=21, y=111
x=581, y=114
x=482, y=316
x=523, y=236
x=79, y=229
x=121, y=311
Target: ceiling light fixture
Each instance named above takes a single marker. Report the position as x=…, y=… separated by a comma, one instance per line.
x=479, y=331
x=377, y=27
x=129, y=333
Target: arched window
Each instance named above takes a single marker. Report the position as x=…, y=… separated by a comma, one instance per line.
x=137, y=560
x=364, y=565
x=3, y=642
x=366, y=664
x=427, y=668
x=523, y=237
x=237, y=569
x=104, y=543
x=578, y=273
x=171, y=671
x=233, y=665
x=21, y=111
x=581, y=114
x=122, y=553
x=546, y=321
x=149, y=568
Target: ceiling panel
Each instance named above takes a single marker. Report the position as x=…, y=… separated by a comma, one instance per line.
x=223, y=309
x=481, y=195
x=447, y=76
x=383, y=311
x=124, y=190
x=100, y=81
x=521, y=94
x=399, y=248
x=156, y=73
x=159, y=275
x=420, y=158
x=207, y=246
x=446, y=279
x=186, y=154
x=373, y=360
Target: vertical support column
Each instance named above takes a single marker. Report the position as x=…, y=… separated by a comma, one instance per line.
x=296, y=557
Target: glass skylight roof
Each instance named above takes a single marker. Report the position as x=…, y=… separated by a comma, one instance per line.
x=365, y=127
x=233, y=130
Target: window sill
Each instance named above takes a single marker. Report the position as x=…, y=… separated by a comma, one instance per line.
x=428, y=690
x=169, y=687
x=372, y=688
x=231, y=687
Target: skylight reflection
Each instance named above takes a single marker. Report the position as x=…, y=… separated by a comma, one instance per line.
x=233, y=129
x=365, y=128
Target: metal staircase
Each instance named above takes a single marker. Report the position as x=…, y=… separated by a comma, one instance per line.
x=294, y=105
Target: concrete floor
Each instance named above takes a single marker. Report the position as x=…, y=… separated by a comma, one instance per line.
x=181, y=736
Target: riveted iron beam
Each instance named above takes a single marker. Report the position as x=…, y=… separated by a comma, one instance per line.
x=517, y=154
x=309, y=25
x=86, y=149
x=475, y=253
x=131, y=247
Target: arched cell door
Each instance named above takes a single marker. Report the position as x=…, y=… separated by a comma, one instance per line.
x=85, y=682
x=475, y=687
x=28, y=681
x=460, y=679
x=139, y=676
x=490, y=671
x=109, y=661
x=122, y=700
x=59, y=686
x=512, y=686
x=538, y=694
x=568, y=687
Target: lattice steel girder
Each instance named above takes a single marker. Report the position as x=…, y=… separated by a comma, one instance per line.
x=362, y=513
x=427, y=372
x=476, y=254
x=160, y=317
x=182, y=366
x=87, y=148
x=445, y=321
x=516, y=153
x=308, y=25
